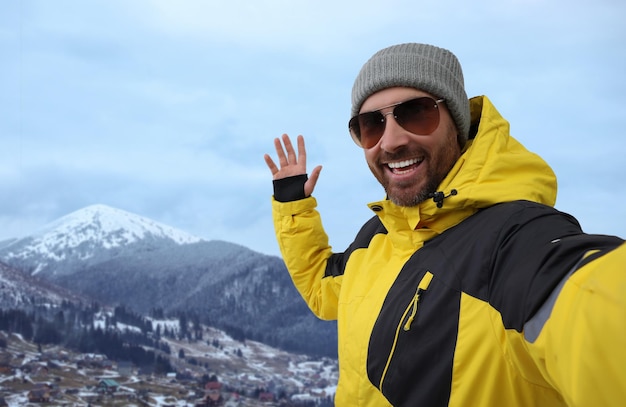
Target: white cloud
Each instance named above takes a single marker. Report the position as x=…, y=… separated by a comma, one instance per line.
x=166, y=108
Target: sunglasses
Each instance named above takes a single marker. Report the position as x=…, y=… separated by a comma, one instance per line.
x=418, y=116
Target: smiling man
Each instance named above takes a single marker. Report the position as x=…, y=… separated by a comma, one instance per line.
x=466, y=287
x=408, y=165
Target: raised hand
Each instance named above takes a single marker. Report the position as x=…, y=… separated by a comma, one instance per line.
x=292, y=164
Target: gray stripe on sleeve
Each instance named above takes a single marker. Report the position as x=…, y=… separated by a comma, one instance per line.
x=533, y=327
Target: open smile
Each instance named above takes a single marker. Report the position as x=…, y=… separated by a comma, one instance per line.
x=401, y=167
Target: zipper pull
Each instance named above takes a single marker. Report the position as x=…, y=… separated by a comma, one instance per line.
x=422, y=286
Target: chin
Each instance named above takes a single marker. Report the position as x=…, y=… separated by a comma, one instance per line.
x=408, y=198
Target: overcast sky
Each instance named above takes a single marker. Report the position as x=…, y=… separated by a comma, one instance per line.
x=165, y=108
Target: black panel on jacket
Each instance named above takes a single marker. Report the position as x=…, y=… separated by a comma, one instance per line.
x=337, y=262
x=510, y=255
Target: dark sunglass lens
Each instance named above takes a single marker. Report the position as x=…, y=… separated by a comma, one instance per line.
x=372, y=127
x=419, y=116
x=353, y=126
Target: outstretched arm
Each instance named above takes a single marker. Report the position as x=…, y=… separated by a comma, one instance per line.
x=292, y=163
x=583, y=339
x=302, y=240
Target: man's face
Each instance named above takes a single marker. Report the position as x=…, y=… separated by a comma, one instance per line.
x=410, y=166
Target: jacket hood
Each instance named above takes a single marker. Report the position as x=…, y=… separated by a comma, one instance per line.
x=493, y=168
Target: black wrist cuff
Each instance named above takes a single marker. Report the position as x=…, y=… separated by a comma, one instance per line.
x=290, y=188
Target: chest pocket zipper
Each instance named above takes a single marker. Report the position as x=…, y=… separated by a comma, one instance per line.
x=422, y=286
x=411, y=311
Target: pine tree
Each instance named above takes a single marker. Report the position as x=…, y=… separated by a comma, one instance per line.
x=182, y=326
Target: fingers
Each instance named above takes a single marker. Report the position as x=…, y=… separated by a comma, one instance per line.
x=291, y=154
x=282, y=158
x=270, y=164
x=291, y=162
x=309, y=186
x=287, y=154
x=301, y=152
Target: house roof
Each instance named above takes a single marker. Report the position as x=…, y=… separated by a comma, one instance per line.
x=213, y=386
x=110, y=383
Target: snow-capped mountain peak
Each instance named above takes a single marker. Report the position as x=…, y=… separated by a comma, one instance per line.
x=80, y=234
x=112, y=226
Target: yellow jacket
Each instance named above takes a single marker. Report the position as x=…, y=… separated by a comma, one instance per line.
x=491, y=298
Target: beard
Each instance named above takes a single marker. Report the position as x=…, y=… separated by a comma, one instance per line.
x=407, y=197
x=415, y=191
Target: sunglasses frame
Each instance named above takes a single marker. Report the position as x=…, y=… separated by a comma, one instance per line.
x=356, y=136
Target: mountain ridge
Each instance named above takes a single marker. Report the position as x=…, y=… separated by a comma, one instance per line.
x=19, y=290
x=80, y=235
x=115, y=257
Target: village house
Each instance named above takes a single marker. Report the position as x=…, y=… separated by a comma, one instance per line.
x=93, y=362
x=41, y=393
x=6, y=369
x=108, y=386
x=212, y=395
x=266, y=397
x=125, y=368
x=32, y=366
x=39, y=396
x=105, y=364
x=41, y=370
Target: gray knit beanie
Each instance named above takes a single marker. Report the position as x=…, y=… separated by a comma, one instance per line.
x=425, y=67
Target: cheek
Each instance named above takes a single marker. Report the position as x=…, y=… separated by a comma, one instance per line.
x=370, y=157
x=447, y=154
x=447, y=143
x=372, y=163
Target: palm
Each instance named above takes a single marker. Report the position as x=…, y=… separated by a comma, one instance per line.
x=291, y=163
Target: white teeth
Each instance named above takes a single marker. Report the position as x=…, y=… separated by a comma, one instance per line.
x=403, y=164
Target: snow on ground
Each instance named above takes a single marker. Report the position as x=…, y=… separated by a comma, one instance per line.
x=242, y=364
x=170, y=324
x=17, y=400
x=168, y=401
x=255, y=362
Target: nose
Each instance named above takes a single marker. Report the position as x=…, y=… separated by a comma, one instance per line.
x=394, y=135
